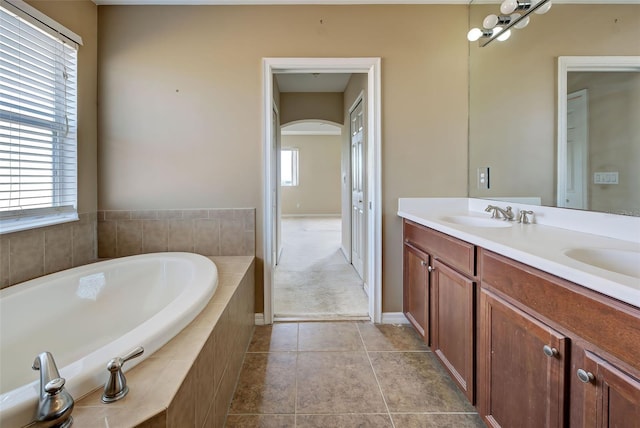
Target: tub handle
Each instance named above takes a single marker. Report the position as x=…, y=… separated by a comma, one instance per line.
x=116, y=386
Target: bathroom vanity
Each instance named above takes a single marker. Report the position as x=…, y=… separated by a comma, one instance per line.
x=532, y=336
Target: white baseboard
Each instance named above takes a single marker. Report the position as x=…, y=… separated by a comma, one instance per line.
x=394, y=318
x=259, y=319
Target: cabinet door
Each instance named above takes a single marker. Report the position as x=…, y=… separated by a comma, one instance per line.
x=416, y=290
x=453, y=327
x=522, y=368
x=611, y=396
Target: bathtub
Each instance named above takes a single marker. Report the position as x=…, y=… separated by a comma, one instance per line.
x=87, y=315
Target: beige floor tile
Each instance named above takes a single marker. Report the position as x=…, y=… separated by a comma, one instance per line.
x=275, y=338
x=415, y=382
x=329, y=336
x=266, y=384
x=390, y=337
x=437, y=421
x=343, y=421
x=260, y=421
x=336, y=382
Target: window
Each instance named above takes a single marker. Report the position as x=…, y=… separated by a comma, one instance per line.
x=289, y=167
x=38, y=119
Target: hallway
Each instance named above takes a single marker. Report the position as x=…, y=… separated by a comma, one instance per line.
x=345, y=374
x=313, y=280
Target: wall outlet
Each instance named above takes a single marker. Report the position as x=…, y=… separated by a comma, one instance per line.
x=605, y=177
x=483, y=177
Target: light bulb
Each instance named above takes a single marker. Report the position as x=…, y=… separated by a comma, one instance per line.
x=474, y=34
x=490, y=21
x=544, y=8
x=523, y=23
x=504, y=36
x=508, y=6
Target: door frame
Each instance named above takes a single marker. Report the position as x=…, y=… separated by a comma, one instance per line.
x=371, y=67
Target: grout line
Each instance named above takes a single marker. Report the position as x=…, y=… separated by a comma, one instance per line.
x=295, y=400
x=384, y=400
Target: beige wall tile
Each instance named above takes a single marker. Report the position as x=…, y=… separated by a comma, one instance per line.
x=117, y=215
x=26, y=256
x=207, y=237
x=195, y=214
x=107, y=233
x=4, y=261
x=220, y=349
x=170, y=214
x=84, y=238
x=58, y=248
x=231, y=238
x=181, y=412
x=129, y=239
x=180, y=235
x=155, y=236
x=204, y=384
x=144, y=215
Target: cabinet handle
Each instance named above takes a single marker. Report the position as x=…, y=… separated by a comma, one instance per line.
x=431, y=268
x=585, y=376
x=549, y=351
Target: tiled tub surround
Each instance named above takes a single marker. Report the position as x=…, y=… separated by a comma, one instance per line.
x=32, y=253
x=189, y=382
x=210, y=232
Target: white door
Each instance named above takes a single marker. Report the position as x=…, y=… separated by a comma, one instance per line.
x=577, y=150
x=275, y=189
x=357, y=187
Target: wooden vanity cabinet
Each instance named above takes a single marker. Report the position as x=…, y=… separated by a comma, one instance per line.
x=416, y=290
x=539, y=336
x=439, y=277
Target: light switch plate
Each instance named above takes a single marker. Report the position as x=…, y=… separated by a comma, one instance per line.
x=605, y=177
x=483, y=177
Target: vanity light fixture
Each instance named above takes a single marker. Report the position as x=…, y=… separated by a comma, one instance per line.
x=513, y=13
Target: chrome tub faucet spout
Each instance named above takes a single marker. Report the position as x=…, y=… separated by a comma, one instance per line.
x=55, y=404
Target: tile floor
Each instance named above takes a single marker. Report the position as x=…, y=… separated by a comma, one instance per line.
x=345, y=374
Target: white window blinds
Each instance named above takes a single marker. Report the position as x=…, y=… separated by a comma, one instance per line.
x=38, y=123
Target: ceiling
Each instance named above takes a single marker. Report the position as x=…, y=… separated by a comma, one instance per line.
x=268, y=2
x=313, y=82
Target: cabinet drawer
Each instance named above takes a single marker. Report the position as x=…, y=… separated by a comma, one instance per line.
x=454, y=252
x=611, y=325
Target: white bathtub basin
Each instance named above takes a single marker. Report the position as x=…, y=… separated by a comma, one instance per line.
x=625, y=262
x=87, y=315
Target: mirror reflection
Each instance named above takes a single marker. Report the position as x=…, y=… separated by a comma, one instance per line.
x=514, y=110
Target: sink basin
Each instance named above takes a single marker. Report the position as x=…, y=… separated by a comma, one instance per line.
x=467, y=220
x=625, y=262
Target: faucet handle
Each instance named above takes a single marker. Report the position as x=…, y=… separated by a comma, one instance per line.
x=54, y=386
x=522, y=216
x=116, y=386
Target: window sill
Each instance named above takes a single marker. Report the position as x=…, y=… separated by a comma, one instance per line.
x=36, y=221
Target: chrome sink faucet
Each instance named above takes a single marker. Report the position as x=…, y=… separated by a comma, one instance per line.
x=507, y=213
x=55, y=404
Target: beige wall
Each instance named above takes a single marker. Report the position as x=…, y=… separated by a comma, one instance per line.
x=181, y=110
x=318, y=190
x=614, y=137
x=512, y=120
x=311, y=105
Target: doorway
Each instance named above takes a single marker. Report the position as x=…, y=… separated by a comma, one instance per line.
x=370, y=160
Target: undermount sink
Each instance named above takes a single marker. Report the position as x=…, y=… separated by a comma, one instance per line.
x=467, y=220
x=625, y=262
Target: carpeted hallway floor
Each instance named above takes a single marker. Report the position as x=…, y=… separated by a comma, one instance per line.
x=314, y=280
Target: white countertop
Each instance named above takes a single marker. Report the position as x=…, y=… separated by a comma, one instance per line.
x=539, y=245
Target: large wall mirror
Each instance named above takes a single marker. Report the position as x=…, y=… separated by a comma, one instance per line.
x=517, y=92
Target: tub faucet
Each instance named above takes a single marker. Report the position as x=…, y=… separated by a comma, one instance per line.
x=116, y=386
x=507, y=213
x=55, y=404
